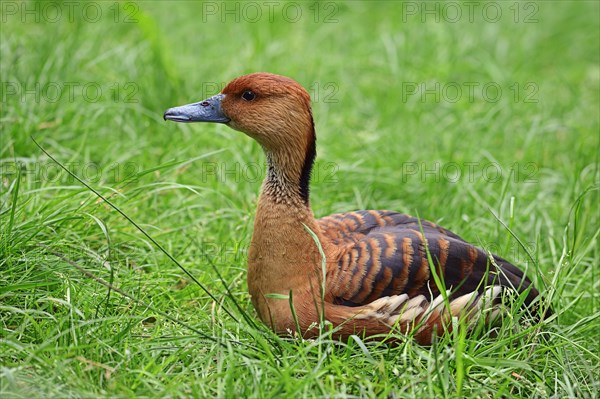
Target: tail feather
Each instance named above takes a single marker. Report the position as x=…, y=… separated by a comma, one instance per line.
x=512, y=277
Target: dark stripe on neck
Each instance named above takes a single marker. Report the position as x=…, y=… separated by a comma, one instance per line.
x=309, y=160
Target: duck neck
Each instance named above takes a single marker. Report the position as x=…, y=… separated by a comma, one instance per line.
x=288, y=175
x=283, y=252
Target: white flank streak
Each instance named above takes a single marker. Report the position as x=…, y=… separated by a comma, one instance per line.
x=415, y=302
x=462, y=302
x=397, y=300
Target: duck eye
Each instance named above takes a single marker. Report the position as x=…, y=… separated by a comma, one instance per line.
x=248, y=95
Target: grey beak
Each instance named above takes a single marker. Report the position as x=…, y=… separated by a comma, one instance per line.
x=208, y=110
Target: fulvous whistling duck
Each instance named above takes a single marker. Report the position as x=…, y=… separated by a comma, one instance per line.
x=376, y=275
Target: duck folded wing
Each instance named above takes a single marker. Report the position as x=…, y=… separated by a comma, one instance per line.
x=386, y=253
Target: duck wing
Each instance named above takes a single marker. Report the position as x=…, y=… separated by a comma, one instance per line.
x=385, y=253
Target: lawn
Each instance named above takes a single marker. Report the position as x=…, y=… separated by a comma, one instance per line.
x=123, y=238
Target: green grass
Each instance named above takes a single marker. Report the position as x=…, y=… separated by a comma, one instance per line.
x=527, y=160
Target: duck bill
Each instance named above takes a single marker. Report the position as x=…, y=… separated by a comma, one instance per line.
x=208, y=110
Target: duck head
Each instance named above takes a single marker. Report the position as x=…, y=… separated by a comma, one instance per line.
x=275, y=111
x=272, y=109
